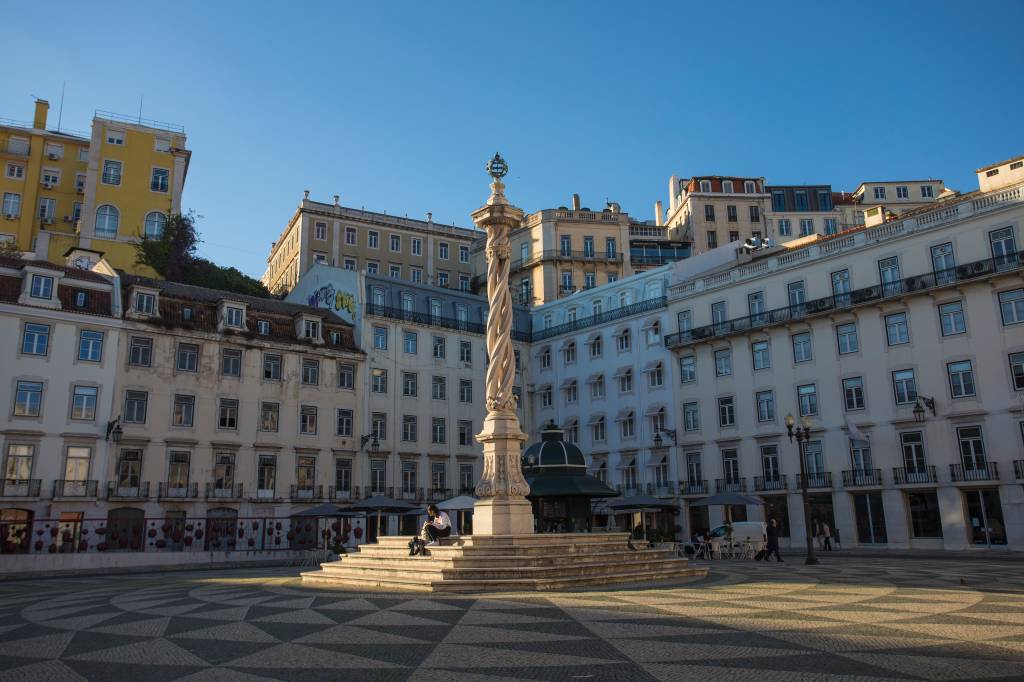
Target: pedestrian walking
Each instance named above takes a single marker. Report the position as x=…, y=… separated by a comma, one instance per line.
x=772, y=541
x=826, y=535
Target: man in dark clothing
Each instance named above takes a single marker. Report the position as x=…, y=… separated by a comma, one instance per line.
x=772, y=538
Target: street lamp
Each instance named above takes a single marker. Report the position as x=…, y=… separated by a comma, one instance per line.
x=372, y=440
x=803, y=434
x=919, y=414
x=114, y=430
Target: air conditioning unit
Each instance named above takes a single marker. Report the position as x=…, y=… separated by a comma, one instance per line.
x=10, y=216
x=52, y=157
x=48, y=221
x=67, y=219
x=80, y=189
x=47, y=185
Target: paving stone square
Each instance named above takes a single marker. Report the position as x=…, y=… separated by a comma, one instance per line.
x=847, y=619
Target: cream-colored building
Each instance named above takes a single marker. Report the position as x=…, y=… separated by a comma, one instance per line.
x=878, y=202
x=405, y=249
x=715, y=210
x=800, y=211
x=902, y=344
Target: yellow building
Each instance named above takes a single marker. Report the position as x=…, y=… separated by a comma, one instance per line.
x=68, y=196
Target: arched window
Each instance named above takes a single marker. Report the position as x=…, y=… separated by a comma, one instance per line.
x=107, y=219
x=155, y=222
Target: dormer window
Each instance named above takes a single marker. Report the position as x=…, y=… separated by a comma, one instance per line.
x=233, y=316
x=727, y=186
x=263, y=327
x=42, y=287
x=145, y=303
x=311, y=329
x=705, y=185
x=750, y=187
x=80, y=299
x=186, y=312
x=335, y=338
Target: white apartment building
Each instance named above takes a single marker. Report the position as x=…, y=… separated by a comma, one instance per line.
x=59, y=364
x=903, y=343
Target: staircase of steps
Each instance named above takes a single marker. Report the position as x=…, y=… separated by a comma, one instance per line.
x=504, y=563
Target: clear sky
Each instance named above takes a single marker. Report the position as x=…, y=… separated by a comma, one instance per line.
x=397, y=106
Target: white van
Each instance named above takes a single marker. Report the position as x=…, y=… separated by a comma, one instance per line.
x=754, y=531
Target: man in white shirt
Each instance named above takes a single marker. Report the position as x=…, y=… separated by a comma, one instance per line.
x=439, y=525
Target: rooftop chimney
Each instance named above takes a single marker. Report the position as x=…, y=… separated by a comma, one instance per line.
x=575, y=202
x=657, y=213
x=39, y=120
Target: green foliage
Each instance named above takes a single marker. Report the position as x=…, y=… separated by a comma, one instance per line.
x=9, y=249
x=173, y=256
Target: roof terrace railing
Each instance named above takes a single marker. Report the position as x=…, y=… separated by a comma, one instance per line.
x=845, y=301
x=138, y=120
x=600, y=318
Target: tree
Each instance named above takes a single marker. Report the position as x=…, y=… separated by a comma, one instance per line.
x=173, y=255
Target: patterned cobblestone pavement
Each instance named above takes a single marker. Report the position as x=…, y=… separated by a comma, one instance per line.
x=849, y=619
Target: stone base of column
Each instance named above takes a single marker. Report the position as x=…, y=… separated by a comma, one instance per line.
x=502, y=516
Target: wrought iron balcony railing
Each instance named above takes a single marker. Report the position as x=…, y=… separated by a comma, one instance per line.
x=693, y=487
x=769, y=483
x=901, y=476
x=309, y=493
x=817, y=480
x=20, y=487
x=600, y=318
x=174, y=490
x=119, y=491
x=862, y=478
x=989, y=471
x=224, y=492
x=75, y=488
x=736, y=485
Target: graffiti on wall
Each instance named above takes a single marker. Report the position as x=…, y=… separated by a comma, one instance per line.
x=329, y=297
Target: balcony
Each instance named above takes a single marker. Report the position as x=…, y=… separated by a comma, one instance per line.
x=989, y=471
x=690, y=488
x=818, y=480
x=435, y=320
x=439, y=494
x=307, y=493
x=139, y=491
x=600, y=318
x=631, y=490
x=844, y=301
x=410, y=494
x=901, y=476
x=223, y=492
x=736, y=485
x=565, y=255
x=343, y=494
x=174, y=490
x=265, y=496
x=662, y=489
x=75, y=488
x=20, y=487
x=769, y=483
x=862, y=478
x=1018, y=469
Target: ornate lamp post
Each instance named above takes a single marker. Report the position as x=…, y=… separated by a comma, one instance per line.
x=802, y=434
x=502, y=508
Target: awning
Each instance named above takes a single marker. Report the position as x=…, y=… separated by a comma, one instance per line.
x=543, y=387
x=650, y=323
x=621, y=371
x=593, y=337
x=545, y=349
x=595, y=378
x=566, y=344
x=624, y=413
x=652, y=365
x=567, y=485
x=626, y=461
x=621, y=330
x=567, y=383
x=653, y=409
x=570, y=422
x=663, y=460
x=596, y=418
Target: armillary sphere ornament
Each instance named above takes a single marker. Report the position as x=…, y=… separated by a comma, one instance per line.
x=496, y=167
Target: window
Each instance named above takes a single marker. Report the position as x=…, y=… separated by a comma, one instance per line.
x=765, y=406
x=41, y=287
x=961, y=378
x=687, y=369
x=846, y=337
x=730, y=213
x=15, y=171
x=228, y=417
x=904, y=386
x=597, y=387
x=626, y=382
x=972, y=447
x=761, y=355
x=943, y=262
x=378, y=380
x=415, y=275
x=624, y=340
x=343, y=425
x=311, y=329
x=46, y=208
x=155, y=224
x=726, y=411
x=263, y=327
x=438, y=346
x=12, y=204
x=545, y=396
x=709, y=213
x=1017, y=371
x=90, y=346
x=81, y=299
x=372, y=239
x=310, y=371
x=28, y=399
x=830, y=226
x=438, y=431
x=912, y=444
x=111, y=173
x=627, y=426
x=442, y=250
x=346, y=376
x=927, y=192
x=951, y=318
x=410, y=384
x=802, y=347
x=463, y=282
x=107, y=220
x=463, y=254
x=395, y=271
x=465, y=352
x=785, y=228
x=187, y=357
x=159, y=180
x=465, y=391
x=35, y=339
x=925, y=516
x=901, y=192
x=270, y=417
x=598, y=430
x=841, y=287
x=307, y=420
x=380, y=338
x=266, y=476
x=879, y=192
x=691, y=417
x=439, y=388
x=806, y=227
x=135, y=405
x=186, y=313
x=569, y=353
x=272, y=366
x=140, y=352
x=897, y=331
x=853, y=393
x=723, y=362
x=1011, y=306
x=890, y=277
x=350, y=236
x=231, y=362
x=409, y=428
x=183, y=410
x=755, y=214
x=395, y=242
x=712, y=239
x=571, y=392
x=545, y=358
x=807, y=397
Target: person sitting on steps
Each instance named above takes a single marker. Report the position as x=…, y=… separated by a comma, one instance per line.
x=437, y=526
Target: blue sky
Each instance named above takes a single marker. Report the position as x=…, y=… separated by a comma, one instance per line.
x=397, y=106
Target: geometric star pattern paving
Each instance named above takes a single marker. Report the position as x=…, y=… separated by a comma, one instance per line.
x=848, y=619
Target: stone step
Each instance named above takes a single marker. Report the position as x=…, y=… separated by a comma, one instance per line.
x=426, y=571
x=505, y=550
x=473, y=560
x=319, y=578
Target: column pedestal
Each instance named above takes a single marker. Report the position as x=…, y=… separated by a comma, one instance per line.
x=502, y=508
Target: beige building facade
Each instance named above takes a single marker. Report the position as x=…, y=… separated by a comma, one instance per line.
x=715, y=210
